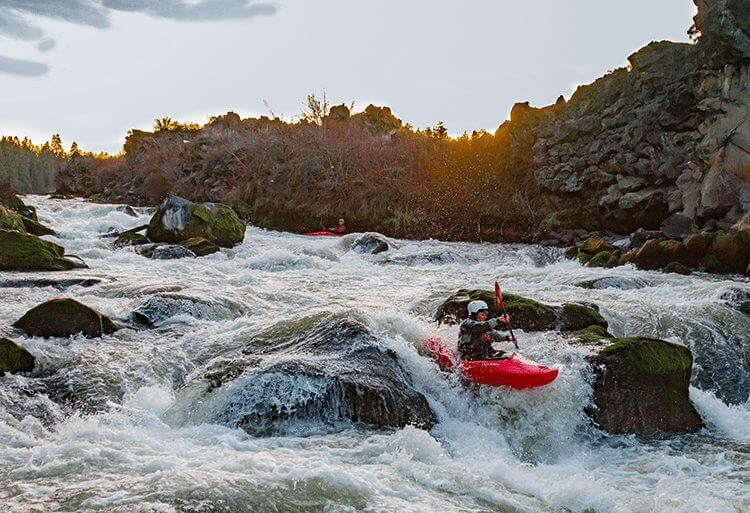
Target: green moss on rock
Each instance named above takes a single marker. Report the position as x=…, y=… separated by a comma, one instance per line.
x=201, y=247
x=525, y=313
x=641, y=387
x=14, y=358
x=65, y=317
x=592, y=335
x=36, y=228
x=10, y=220
x=23, y=252
x=178, y=220
x=594, y=245
x=130, y=239
x=604, y=259
x=576, y=317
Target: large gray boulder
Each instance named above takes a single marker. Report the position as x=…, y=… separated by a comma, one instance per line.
x=178, y=220
x=330, y=376
x=725, y=27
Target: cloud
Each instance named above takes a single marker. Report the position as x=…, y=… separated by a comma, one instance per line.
x=46, y=45
x=22, y=67
x=14, y=21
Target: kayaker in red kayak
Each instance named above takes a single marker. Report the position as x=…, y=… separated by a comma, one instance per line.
x=341, y=228
x=478, y=333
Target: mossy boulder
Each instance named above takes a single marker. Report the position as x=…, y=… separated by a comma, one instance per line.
x=655, y=254
x=36, y=228
x=130, y=239
x=593, y=335
x=178, y=220
x=594, y=245
x=200, y=247
x=65, y=317
x=10, y=220
x=731, y=252
x=23, y=252
x=525, y=313
x=14, y=358
x=604, y=259
x=677, y=268
x=641, y=387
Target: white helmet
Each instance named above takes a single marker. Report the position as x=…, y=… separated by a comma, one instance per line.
x=477, y=306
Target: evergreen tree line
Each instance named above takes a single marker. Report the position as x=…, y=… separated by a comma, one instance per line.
x=30, y=168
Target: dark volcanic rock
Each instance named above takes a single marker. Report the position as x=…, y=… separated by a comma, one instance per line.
x=326, y=378
x=63, y=318
x=370, y=243
x=641, y=387
x=49, y=282
x=525, y=313
x=14, y=358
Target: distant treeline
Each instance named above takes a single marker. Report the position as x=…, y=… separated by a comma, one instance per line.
x=368, y=167
x=29, y=168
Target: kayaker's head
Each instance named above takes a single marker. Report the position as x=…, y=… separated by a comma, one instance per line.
x=478, y=310
x=342, y=222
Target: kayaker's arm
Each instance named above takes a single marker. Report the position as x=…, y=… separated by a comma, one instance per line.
x=476, y=327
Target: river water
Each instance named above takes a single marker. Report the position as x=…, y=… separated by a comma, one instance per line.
x=111, y=430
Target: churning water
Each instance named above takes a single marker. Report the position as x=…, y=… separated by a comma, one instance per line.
x=115, y=425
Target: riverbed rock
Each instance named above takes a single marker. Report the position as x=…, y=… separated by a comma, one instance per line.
x=615, y=282
x=36, y=228
x=200, y=247
x=738, y=299
x=10, y=220
x=22, y=252
x=65, y=317
x=130, y=239
x=178, y=220
x=159, y=308
x=641, y=387
x=14, y=358
x=325, y=378
x=677, y=226
x=49, y=282
x=525, y=313
x=166, y=252
x=370, y=243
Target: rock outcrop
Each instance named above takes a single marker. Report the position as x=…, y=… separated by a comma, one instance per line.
x=326, y=378
x=64, y=318
x=641, y=386
x=525, y=313
x=14, y=358
x=178, y=220
x=20, y=251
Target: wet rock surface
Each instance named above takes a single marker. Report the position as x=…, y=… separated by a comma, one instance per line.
x=65, y=317
x=371, y=244
x=336, y=374
x=14, y=358
x=61, y=284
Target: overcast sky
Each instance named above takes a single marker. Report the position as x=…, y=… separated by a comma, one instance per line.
x=92, y=69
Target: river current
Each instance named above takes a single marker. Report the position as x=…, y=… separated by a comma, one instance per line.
x=122, y=435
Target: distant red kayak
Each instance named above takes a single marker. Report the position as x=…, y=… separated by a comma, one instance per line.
x=517, y=371
x=324, y=234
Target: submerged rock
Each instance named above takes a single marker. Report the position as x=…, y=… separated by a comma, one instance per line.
x=49, y=282
x=200, y=247
x=641, y=386
x=65, y=317
x=157, y=309
x=130, y=239
x=333, y=375
x=14, y=358
x=370, y=243
x=525, y=313
x=613, y=282
x=178, y=220
x=738, y=299
x=22, y=252
x=167, y=252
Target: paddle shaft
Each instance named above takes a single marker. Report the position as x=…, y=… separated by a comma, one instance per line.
x=501, y=304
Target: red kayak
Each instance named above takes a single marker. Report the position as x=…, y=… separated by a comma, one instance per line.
x=516, y=371
x=324, y=234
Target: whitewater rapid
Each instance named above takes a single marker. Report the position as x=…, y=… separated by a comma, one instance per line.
x=120, y=435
